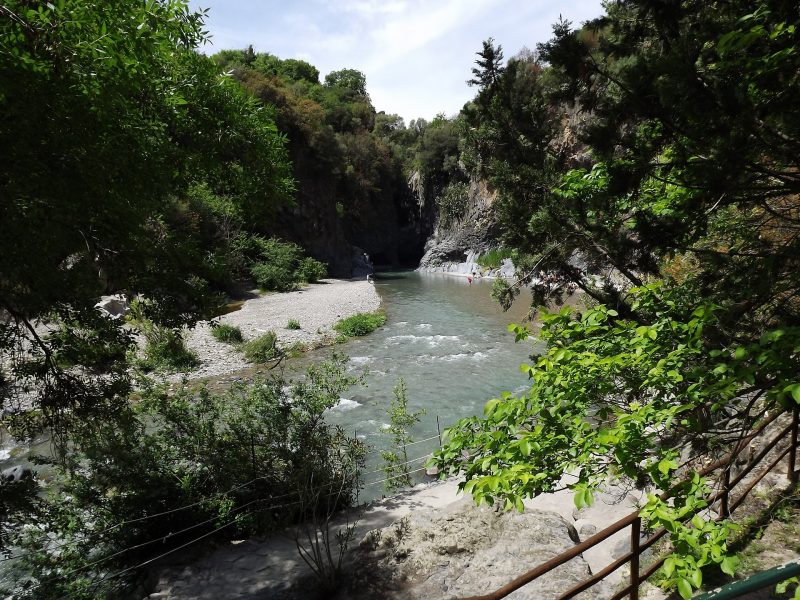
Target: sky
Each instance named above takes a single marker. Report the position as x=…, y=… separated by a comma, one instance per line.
x=416, y=54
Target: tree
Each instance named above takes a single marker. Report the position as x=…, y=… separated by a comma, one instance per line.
x=395, y=461
x=176, y=467
x=490, y=65
x=113, y=118
x=351, y=80
x=674, y=208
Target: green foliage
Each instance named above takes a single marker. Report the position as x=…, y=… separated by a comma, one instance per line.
x=292, y=69
x=164, y=348
x=493, y=259
x=395, y=461
x=116, y=123
x=293, y=324
x=490, y=65
x=452, y=202
x=354, y=82
x=262, y=349
x=175, y=467
x=360, y=324
x=608, y=398
x=783, y=587
x=270, y=276
x=281, y=266
x=228, y=334
x=312, y=270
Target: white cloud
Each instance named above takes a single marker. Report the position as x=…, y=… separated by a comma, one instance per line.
x=416, y=54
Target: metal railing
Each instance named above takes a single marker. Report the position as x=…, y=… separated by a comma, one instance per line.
x=728, y=504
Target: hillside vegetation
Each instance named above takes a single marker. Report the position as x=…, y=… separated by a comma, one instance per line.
x=650, y=158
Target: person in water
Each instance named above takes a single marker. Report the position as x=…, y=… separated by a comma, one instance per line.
x=469, y=279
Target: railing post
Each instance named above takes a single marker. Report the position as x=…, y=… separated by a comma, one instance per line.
x=724, y=507
x=793, y=442
x=636, y=531
x=439, y=430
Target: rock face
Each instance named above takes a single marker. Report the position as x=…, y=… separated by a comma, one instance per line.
x=464, y=551
x=390, y=224
x=456, y=245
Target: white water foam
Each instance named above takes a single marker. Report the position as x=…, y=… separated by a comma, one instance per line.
x=431, y=340
x=453, y=357
x=346, y=404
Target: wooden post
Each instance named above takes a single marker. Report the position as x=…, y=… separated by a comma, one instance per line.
x=439, y=429
x=793, y=442
x=636, y=531
x=724, y=505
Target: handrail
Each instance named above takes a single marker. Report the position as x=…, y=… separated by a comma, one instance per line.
x=754, y=583
x=634, y=520
x=557, y=561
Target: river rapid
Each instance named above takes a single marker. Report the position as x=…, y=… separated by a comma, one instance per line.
x=448, y=340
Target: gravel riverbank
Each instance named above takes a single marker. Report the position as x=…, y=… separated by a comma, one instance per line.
x=317, y=307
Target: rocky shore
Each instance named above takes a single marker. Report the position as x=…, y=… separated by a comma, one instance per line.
x=317, y=308
x=426, y=539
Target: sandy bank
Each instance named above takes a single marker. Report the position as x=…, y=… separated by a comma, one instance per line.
x=316, y=307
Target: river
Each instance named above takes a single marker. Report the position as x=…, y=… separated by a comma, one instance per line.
x=446, y=338
x=449, y=342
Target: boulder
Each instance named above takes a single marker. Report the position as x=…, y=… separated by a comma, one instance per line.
x=114, y=306
x=18, y=473
x=463, y=551
x=585, y=528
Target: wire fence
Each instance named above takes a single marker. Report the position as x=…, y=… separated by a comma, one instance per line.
x=409, y=468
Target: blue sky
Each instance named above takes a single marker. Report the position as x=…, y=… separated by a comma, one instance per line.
x=416, y=54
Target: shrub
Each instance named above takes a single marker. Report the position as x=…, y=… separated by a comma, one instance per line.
x=271, y=277
x=175, y=467
x=293, y=324
x=262, y=349
x=280, y=266
x=228, y=334
x=493, y=259
x=359, y=324
x=452, y=202
x=395, y=460
x=312, y=270
x=165, y=350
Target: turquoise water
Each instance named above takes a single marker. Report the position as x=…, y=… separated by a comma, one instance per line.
x=449, y=341
x=446, y=338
